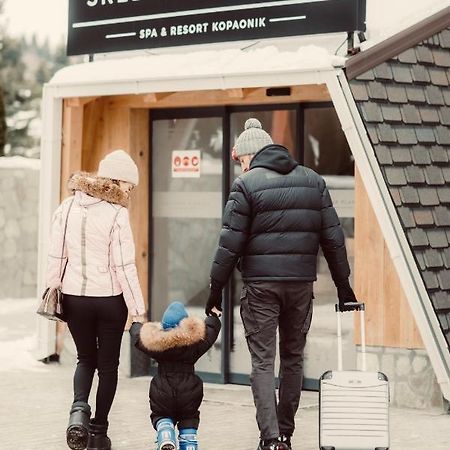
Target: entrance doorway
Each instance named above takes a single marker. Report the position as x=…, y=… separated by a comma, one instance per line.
x=187, y=205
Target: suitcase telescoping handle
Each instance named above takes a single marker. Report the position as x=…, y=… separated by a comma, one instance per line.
x=345, y=308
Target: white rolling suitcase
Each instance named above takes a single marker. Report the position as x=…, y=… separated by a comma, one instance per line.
x=353, y=404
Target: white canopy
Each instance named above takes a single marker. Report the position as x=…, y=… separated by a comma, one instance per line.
x=192, y=71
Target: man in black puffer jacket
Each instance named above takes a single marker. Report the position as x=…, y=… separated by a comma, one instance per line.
x=277, y=215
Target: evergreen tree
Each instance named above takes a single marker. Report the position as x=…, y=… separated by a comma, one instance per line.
x=26, y=64
x=2, y=102
x=2, y=123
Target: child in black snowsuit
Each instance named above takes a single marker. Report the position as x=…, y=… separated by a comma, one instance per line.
x=176, y=392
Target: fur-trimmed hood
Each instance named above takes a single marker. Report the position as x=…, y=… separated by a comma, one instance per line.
x=101, y=188
x=190, y=331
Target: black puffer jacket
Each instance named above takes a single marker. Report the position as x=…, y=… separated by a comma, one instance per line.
x=176, y=391
x=277, y=215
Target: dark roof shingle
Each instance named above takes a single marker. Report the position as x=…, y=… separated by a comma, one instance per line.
x=395, y=176
x=433, y=95
x=410, y=114
x=437, y=238
x=416, y=94
x=383, y=154
x=424, y=55
x=438, y=155
x=415, y=175
x=433, y=258
x=377, y=91
x=420, y=155
x=434, y=176
x=441, y=57
x=391, y=113
x=420, y=74
x=428, y=196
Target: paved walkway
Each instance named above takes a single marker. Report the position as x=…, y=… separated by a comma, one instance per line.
x=36, y=398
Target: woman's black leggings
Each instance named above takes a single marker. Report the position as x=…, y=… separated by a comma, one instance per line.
x=96, y=325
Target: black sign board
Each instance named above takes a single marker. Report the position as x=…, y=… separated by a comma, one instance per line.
x=98, y=26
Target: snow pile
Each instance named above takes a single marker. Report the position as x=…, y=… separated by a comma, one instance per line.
x=17, y=320
x=200, y=63
x=18, y=355
x=19, y=162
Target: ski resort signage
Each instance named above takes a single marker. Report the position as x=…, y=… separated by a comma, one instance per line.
x=98, y=26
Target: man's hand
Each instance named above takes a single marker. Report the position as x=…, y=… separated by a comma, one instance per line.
x=345, y=293
x=214, y=302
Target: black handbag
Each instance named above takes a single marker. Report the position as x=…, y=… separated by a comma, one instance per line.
x=51, y=305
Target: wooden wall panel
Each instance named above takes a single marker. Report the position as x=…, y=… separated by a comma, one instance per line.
x=72, y=143
x=94, y=130
x=139, y=210
x=389, y=320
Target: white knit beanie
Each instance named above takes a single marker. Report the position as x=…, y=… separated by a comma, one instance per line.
x=253, y=139
x=118, y=165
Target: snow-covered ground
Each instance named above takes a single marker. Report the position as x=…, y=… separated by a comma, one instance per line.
x=19, y=162
x=17, y=335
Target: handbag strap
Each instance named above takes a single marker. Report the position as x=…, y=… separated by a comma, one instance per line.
x=61, y=275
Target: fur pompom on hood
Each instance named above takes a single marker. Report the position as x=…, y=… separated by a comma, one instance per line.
x=102, y=188
x=190, y=331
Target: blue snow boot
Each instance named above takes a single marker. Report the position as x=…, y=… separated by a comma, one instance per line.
x=188, y=439
x=167, y=439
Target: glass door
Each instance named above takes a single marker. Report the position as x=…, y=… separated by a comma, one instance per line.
x=187, y=205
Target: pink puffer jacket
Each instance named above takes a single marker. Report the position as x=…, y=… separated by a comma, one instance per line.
x=98, y=245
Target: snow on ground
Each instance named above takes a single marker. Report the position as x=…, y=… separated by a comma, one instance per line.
x=19, y=162
x=17, y=335
x=18, y=355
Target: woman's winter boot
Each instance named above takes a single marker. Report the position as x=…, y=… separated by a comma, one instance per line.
x=188, y=439
x=98, y=439
x=167, y=439
x=77, y=429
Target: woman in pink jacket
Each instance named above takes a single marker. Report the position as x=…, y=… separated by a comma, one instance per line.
x=92, y=250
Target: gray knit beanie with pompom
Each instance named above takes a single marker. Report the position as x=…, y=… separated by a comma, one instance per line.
x=252, y=139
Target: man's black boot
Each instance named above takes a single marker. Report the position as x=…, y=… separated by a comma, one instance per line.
x=285, y=439
x=98, y=439
x=271, y=444
x=77, y=429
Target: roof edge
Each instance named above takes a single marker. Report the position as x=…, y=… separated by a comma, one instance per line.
x=396, y=44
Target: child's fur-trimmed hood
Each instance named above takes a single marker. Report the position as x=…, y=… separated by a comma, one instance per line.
x=102, y=188
x=190, y=331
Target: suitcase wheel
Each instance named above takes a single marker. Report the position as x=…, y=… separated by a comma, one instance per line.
x=381, y=448
x=327, y=448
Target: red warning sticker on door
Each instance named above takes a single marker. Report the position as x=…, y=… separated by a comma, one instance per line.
x=186, y=163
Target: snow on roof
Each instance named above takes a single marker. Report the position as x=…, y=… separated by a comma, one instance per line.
x=377, y=34
x=199, y=64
